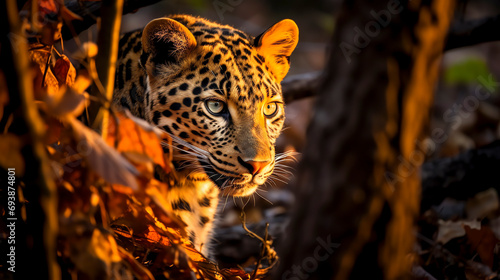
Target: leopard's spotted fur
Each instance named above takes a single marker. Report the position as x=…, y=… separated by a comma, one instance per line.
x=177, y=74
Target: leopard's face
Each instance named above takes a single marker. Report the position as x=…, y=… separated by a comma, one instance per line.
x=220, y=97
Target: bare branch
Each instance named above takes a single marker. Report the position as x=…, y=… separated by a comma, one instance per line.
x=301, y=86
x=473, y=32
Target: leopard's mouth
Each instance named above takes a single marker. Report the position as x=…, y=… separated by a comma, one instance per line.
x=229, y=185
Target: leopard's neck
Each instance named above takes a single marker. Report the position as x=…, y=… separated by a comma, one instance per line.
x=194, y=199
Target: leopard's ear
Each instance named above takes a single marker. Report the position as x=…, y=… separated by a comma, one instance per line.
x=165, y=40
x=276, y=44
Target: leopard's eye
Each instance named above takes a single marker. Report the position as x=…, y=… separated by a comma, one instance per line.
x=215, y=107
x=271, y=109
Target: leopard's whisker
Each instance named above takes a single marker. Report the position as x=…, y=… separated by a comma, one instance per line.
x=278, y=179
x=261, y=196
x=225, y=203
x=284, y=171
x=290, y=155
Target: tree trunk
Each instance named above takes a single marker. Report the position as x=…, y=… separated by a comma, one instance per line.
x=35, y=237
x=358, y=183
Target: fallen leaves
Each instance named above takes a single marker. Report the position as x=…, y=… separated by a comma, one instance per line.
x=466, y=238
x=482, y=241
x=449, y=230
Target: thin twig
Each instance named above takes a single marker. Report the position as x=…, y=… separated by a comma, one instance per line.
x=266, y=251
x=46, y=67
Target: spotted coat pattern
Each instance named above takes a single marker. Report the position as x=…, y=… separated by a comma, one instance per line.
x=216, y=91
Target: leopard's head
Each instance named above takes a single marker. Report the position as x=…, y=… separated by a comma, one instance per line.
x=217, y=91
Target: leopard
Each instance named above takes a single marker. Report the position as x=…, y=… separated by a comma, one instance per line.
x=216, y=91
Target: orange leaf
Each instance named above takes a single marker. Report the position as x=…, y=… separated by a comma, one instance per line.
x=102, y=159
x=130, y=137
x=194, y=254
x=152, y=235
x=45, y=81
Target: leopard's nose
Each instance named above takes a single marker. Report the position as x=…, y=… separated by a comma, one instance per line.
x=253, y=166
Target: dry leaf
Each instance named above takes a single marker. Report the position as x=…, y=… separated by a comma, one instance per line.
x=142, y=162
x=66, y=102
x=94, y=255
x=104, y=160
x=129, y=136
x=64, y=71
x=108, y=253
x=482, y=241
x=162, y=210
x=449, y=229
x=47, y=82
x=145, y=125
x=482, y=204
x=69, y=100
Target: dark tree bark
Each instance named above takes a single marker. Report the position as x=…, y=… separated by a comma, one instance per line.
x=357, y=182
